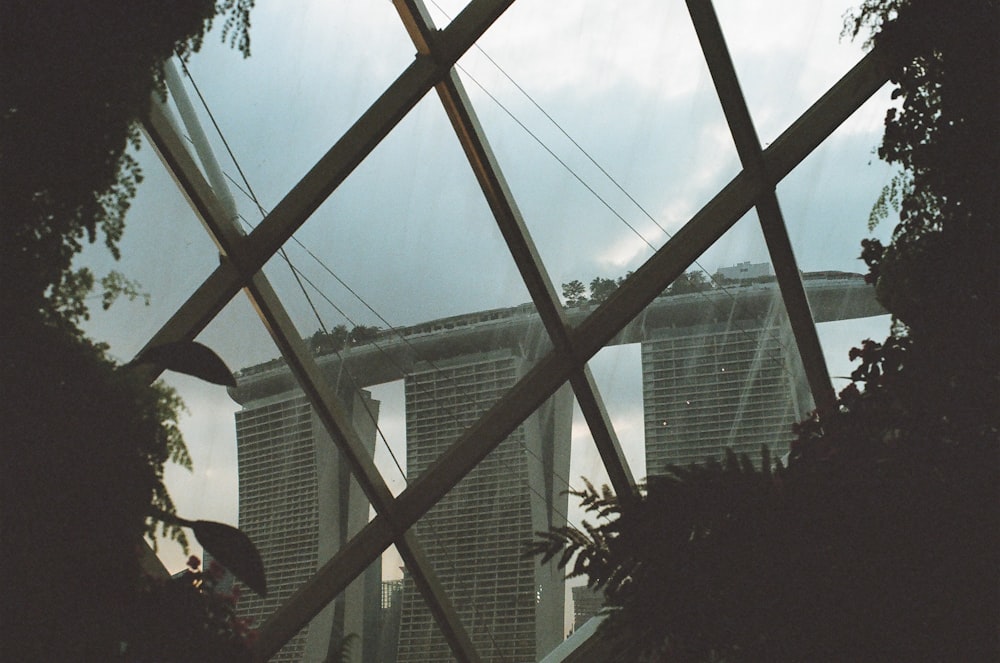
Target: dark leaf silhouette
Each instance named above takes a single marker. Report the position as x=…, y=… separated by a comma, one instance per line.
x=190, y=358
x=227, y=545
x=233, y=550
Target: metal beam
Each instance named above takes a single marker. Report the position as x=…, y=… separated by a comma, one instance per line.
x=292, y=211
x=710, y=223
x=221, y=226
x=522, y=248
x=720, y=64
x=329, y=172
x=335, y=419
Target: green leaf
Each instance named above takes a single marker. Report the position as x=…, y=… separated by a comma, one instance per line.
x=234, y=550
x=190, y=358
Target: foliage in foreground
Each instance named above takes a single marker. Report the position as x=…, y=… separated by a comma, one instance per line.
x=84, y=440
x=880, y=540
x=76, y=79
x=82, y=485
x=84, y=448
x=187, y=618
x=938, y=370
x=883, y=561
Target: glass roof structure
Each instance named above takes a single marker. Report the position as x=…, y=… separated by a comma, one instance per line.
x=441, y=172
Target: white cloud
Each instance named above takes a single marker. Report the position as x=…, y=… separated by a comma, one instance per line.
x=586, y=49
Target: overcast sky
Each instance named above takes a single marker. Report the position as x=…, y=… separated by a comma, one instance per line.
x=409, y=230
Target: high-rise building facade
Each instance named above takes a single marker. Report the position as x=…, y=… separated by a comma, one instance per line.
x=292, y=480
x=734, y=384
x=512, y=607
x=719, y=369
x=587, y=602
x=392, y=606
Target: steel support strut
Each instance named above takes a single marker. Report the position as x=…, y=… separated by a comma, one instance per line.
x=219, y=220
x=720, y=65
x=238, y=267
x=522, y=248
x=710, y=223
x=329, y=172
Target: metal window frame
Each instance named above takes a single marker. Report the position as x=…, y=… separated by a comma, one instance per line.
x=772, y=223
x=325, y=403
x=522, y=248
x=243, y=257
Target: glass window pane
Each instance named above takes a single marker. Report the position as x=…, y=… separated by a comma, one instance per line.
x=406, y=293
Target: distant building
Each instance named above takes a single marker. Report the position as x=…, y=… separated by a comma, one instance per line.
x=292, y=479
x=512, y=607
x=392, y=607
x=719, y=369
x=391, y=590
x=730, y=378
x=586, y=604
x=746, y=271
